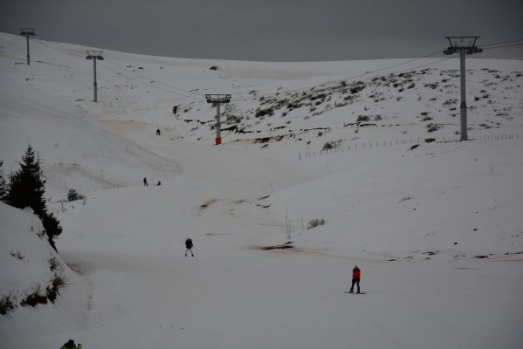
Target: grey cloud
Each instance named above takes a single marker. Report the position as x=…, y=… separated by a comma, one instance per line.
x=270, y=30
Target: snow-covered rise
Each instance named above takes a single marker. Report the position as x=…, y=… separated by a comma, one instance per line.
x=28, y=263
x=435, y=227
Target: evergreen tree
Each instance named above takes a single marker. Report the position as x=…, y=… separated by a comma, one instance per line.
x=27, y=188
x=52, y=228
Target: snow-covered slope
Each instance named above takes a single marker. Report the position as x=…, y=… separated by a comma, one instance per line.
x=28, y=267
x=367, y=150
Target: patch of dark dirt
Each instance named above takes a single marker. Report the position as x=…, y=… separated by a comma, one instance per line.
x=207, y=203
x=285, y=246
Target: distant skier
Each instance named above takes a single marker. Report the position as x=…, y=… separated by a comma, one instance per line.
x=70, y=345
x=145, y=182
x=158, y=132
x=356, y=274
x=159, y=183
x=188, y=247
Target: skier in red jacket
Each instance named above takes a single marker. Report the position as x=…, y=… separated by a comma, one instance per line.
x=356, y=274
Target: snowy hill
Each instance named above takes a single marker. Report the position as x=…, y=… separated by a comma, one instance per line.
x=323, y=166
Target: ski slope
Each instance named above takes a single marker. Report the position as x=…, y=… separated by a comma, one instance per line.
x=436, y=228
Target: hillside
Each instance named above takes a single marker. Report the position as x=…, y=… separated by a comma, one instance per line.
x=323, y=166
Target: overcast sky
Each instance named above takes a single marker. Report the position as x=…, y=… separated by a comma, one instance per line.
x=271, y=30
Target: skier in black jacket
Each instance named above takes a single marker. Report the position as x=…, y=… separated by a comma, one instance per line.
x=188, y=247
x=70, y=345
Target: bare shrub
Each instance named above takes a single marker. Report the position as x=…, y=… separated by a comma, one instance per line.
x=17, y=255
x=37, y=296
x=55, y=265
x=433, y=127
x=331, y=145
x=406, y=198
x=315, y=222
x=451, y=101
x=40, y=234
x=57, y=284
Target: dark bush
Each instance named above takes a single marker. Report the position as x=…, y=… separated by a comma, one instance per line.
x=73, y=195
x=7, y=304
x=264, y=112
x=362, y=118
x=357, y=87
x=433, y=127
x=327, y=146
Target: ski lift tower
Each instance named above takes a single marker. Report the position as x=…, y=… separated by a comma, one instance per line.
x=216, y=100
x=94, y=55
x=463, y=49
x=27, y=32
